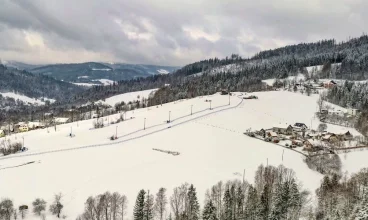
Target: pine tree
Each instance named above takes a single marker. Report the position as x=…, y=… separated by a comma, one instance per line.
x=209, y=211
x=280, y=207
x=193, y=205
x=139, y=206
x=361, y=210
x=148, y=207
x=227, y=204
x=264, y=207
x=251, y=208
x=240, y=202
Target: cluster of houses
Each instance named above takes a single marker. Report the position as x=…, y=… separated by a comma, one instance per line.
x=298, y=135
x=27, y=126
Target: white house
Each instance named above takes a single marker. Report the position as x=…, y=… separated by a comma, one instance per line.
x=337, y=112
x=353, y=111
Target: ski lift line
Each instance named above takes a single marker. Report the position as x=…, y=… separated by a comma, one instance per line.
x=122, y=141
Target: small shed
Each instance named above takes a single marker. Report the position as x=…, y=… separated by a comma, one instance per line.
x=2, y=133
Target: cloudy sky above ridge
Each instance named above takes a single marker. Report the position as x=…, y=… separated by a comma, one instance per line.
x=168, y=32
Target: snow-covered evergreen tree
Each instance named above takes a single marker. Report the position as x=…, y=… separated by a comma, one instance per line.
x=209, y=211
x=138, y=212
x=148, y=207
x=193, y=205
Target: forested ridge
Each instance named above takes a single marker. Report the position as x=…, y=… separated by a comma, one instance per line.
x=203, y=77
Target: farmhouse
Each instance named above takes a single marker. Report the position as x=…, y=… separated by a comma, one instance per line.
x=283, y=129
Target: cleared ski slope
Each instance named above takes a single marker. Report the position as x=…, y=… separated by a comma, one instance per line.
x=211, y=143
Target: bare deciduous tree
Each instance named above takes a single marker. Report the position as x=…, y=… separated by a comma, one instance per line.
x=39, y=205
x=161, y=202
x=56, y=207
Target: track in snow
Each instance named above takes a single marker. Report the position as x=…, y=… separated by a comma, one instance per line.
x=129, y=139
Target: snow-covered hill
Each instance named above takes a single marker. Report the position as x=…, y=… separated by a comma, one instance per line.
x=211, y=143
x=127, y=97
x=26, y=99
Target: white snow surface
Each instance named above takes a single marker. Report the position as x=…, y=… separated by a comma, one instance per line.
x=86, y=84
x=26, y=99
x=127, y=97
x=105, y=82
x=211, y=143
x=297, y=78
x=83, y=77
x=102, y=69
x=162, y=71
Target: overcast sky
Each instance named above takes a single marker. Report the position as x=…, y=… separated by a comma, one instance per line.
x=168, y=32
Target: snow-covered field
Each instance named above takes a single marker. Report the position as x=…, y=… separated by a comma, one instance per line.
x=86, y=84
x=162, y=71
x=297, y=78
x=105, y=82
x=26, y=99
x=211, y=143
x=127, y=97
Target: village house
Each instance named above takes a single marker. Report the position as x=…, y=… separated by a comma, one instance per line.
x=300, y=127
x=283, y=129
x=345, y=136
x=330, y=137
x=353, y=111
x=311, y=144
x=337, y=112
x=329, y=84
x=61, y=120
x=36, y=125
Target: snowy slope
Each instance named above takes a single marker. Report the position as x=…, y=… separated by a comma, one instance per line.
x=86, y=84
x=105, y=82
x=128, y=97
x=291, y=78
x=25, y=99
x=211, y=143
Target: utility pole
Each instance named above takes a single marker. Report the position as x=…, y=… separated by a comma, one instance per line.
x=144, y=125
x=267, y=161
x=71, y=131
x=283, y=155
x=210, y=104
x=229, y=96
x=169, y=116
x=243, y=176
x=23, y=140
x=116, y=132
x=191, y=110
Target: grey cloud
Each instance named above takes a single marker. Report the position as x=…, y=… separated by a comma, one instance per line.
x=144, y=31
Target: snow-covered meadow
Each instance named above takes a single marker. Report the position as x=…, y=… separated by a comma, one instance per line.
x=211, y=143
x=26, y=99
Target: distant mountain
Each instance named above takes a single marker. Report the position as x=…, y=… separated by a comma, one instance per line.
x=18, y=65
x=91, y=72
x=34, y=86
